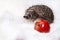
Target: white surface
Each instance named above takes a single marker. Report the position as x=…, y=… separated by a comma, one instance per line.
x=13, y=26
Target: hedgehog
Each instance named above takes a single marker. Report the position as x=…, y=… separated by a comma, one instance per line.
x=39, y=12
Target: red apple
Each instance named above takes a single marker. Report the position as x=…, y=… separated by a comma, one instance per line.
x=42, y=26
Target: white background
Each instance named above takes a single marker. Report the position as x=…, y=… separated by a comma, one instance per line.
x=13, y=26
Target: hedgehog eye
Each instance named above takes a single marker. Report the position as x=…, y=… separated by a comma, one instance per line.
x=29, y=15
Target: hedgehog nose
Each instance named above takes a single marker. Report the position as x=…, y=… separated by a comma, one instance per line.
x=25, y=17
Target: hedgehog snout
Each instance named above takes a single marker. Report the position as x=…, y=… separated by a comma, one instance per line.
x=25, y=17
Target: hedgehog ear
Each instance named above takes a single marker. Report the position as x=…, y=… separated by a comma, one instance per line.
x=36, y=14
x=33, y=11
